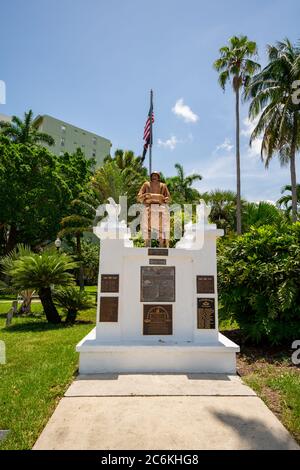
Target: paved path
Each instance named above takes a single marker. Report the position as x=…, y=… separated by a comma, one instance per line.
x=159, y=411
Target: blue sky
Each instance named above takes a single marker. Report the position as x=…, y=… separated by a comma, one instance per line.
x=93, y=62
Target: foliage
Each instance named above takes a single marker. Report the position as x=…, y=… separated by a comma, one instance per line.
x=259, y=282
x=111, y=181
x=90, y=261
x=180, y=186
x=36, y=190
x=40, y=271
x=24, y=132
x=261, y=213
x=286, y=200
x=278, y=115
x=223, y=208
x=128, y=162
x=72, y=300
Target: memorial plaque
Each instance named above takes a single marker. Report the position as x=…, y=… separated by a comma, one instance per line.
x=158, y=252
x=205, y=285
x=158, y=320
x=157, y=261
x=206, y=314
x=109, y=282
x=157, y=284
x=109, y=309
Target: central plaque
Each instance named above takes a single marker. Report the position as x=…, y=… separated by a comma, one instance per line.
x=158, y=320
x=157, y=284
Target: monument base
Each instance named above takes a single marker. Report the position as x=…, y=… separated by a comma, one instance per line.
x=172, y=357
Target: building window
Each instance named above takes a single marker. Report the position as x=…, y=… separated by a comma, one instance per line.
x=94, y=153
x=83, y=145
x=63, y=128
x=94, y=141
x=62, y=142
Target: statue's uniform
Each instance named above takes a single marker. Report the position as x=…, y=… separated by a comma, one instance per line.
x=155, y=216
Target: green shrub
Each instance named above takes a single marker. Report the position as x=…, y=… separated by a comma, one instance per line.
x=71, y=299
x=259, y=282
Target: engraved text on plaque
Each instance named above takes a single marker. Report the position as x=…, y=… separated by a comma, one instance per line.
x=206, y=314
x=157, y=284
x=158, y=320
x=109, y=309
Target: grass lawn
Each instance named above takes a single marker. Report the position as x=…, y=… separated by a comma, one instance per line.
x=40, y=364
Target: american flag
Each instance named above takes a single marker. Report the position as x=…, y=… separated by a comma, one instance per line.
x=147, y=130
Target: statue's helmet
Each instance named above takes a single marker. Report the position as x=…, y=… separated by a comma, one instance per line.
x=155, y=173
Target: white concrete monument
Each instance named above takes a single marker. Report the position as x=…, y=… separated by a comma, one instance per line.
x=157, y=307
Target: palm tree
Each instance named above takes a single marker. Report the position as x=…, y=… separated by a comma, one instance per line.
x=272, y=92
x=180, y=186
x=127, y=161
x=235, y=63
x=41, y=271
x=79, y=221
x=25, y=132
x=223, y=208
x=286, y=199
x=72, y=300
x=261, y=213
x=111, y=181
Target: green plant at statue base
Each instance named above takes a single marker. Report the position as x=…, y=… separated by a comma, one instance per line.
x=259, y=282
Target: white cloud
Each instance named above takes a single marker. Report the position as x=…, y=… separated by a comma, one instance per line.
x=169, y=143
x=249, y=126
x=184, y=111
x=227, y=145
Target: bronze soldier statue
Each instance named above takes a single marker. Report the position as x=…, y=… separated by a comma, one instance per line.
x=155, y=217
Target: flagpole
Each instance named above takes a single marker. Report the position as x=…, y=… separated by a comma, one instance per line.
x=151, y=139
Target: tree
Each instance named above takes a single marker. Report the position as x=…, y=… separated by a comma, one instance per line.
x=25, y=132
x=256, y=214
x=180, y=186
x=41, y=271
x=235, y=63
x=33, y=195
x=272, y=92
x=286, y=200
x=111, y=181
x=127, y=161
x=223, y=208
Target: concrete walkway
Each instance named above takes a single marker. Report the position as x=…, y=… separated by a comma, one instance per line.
x=159, y=411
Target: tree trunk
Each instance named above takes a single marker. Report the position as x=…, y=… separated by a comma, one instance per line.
x=78, y=249
x=48, y=305
x=293, y=170
x=238, y=163
x=12, y=238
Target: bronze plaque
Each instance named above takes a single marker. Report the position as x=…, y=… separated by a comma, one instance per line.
x=109, y=282
x=205, y=284
x=158, y=320
x=158, y=252
x=157, y=284
x=109, y=309
x=206, y=314
x=157, y=261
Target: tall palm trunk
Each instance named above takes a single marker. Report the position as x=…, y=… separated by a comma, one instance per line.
x=48, y=305
x=293, y=170
x=238, y=162
x=78, y=249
